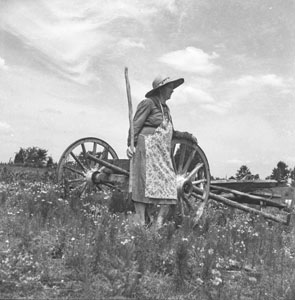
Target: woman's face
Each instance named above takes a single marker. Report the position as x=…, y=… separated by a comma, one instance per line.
x=167, y=91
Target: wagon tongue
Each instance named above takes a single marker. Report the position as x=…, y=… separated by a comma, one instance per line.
x=265, y=193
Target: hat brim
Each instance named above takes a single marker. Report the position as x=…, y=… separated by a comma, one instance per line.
x=176, y=83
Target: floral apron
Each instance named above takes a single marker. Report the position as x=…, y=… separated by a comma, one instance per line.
x=160, y=175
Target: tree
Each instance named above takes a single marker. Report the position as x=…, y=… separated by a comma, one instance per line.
x=20, y=156
x=281, y=172
x=242, y=172
x=49, y=162
x=33, y=156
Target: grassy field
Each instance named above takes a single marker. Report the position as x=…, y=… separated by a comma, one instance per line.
x=51, y=247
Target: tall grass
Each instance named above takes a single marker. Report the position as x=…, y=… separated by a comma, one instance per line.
x=52, y=247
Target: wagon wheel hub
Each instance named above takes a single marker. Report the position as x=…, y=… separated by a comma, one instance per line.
x=184, y=186
x=89, y=176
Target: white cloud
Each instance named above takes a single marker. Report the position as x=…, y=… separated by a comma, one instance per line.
x=165, y=4
x=191, y=59
x=127, y=43
x=70, y=36
x=3, y=65
x=235, y=161
x=201, y=98
x=218, y=108
x=4, y=127
x=260, y=80
x=196, y=95
x=291, y=159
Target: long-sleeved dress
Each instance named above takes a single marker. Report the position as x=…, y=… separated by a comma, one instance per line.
x=154, y=179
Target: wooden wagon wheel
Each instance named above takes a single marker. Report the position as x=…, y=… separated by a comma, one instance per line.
x=193, y=177
x=75, y=169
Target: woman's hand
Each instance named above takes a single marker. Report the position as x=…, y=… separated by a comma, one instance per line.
x=185, y=135
x=130, y=153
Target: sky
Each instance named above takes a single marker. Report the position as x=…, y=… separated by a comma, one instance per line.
x=62, y=74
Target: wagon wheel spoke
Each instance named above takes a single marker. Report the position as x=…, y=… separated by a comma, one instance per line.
x=74, y=170
x=85, y=155
x=79, y=189
x=193, y=173
x=199, y=213
x=199, y=181
x=82, y=194
x=186, y=201
x=76, y=180
x=189, y=160
x=104, y=154
x=94, y=149
x=106, y=188
x=78, y=161
x=197, y=196
x=183, y=149
x=75, y=189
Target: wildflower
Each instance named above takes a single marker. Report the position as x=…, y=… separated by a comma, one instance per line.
x=216, y=281
x=216, y=272
x=252, y=279
x=210, y=251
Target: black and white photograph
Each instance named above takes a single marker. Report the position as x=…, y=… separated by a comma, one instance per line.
x=147, y=149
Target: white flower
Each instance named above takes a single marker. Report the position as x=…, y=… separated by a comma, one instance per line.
x=252, y=279
x=216, y=272
x=216, y=281
x=125, y=242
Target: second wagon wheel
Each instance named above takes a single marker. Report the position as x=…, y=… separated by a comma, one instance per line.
x=75, y=169
x=193, y=177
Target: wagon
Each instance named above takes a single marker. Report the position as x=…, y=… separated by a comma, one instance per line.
x=90, y=165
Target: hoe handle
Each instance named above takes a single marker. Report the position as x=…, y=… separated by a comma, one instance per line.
x=130, y=110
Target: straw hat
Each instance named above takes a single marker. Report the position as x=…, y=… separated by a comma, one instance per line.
x=161, y=81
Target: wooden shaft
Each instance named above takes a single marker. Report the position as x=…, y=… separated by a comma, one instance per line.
x=254, y=197
x=107, y=164
x=267, y=195
x=231, y=203
x=130, y=113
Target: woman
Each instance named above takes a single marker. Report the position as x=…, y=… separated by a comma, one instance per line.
x=154, y=179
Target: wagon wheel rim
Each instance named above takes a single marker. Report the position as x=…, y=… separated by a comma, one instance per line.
x=75, y=168
x=193, y=177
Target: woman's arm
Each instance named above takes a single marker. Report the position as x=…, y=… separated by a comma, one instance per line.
x=142, y=112
x=184, y=135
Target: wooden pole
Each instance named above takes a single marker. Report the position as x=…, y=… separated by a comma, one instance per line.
x=231, y=203
x=130, y=111
x=107, y=164
x=253, y=197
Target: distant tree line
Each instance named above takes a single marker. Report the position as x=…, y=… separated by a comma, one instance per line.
x=38, y=157
x=33, y=156
x=280, y=173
